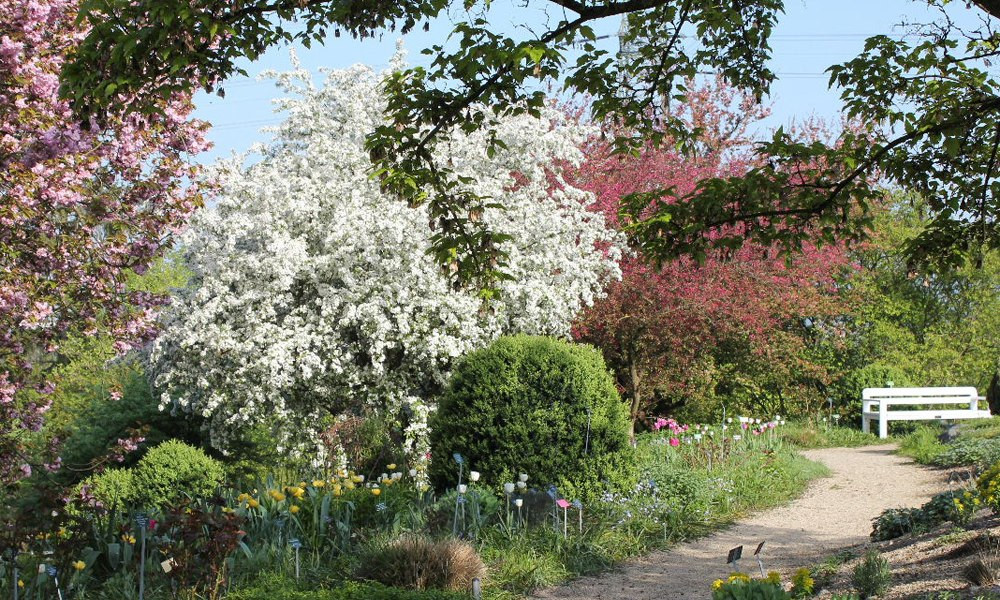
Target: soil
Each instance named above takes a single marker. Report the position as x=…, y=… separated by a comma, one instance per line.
x=833, y=514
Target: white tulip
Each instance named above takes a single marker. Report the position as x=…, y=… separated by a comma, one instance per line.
x=462, y=488
x=523, y=477
x=508, y=488
x=521, y=485
x=413, y=472
x=473, y=476
x=518, y=502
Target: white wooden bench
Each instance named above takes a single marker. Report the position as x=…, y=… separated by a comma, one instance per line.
x=875, y=403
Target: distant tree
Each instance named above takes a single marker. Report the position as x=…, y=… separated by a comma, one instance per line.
x=928, y=105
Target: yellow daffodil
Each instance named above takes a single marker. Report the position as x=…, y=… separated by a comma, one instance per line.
x=716, y=584
x=293, y=508
x=79, y=565
x=129, y=539
x=318, y=483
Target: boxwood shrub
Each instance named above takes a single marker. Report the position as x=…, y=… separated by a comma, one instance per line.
x=534, y=405
x=172, y=472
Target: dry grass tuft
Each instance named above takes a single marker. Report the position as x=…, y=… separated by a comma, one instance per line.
x=419, y=562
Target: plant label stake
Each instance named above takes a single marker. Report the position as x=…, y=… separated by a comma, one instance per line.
x=734, y=557
x=564, y=504
x=756, y=555
x=296, y=544
x=477, y=589
x=51, y=570
x=142, y=521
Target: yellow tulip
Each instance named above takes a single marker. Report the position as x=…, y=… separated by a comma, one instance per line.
x=318, y=483
x=252, y=503
x=79, y=565
x=376, y=491
x=293, y=508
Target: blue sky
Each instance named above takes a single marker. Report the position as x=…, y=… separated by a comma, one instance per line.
x=812, y=35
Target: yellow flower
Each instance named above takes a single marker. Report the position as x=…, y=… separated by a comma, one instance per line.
x=243, y=497
x=253, y=503
x=716, y=584
x=337, y=489
x=773, y=577
x=130, y=539
x=293, y=508
x=318, y=483
x=392, y=467
x=376, y=491
x=278, y=496
x=79, y=565
x=349, y=485
x=357, y=478
x=227, y=510
x=297, y=492
x=20, y=583
x=739, y=577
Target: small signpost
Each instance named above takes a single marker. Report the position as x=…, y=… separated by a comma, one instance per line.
x=734, y=557
x=142, y=521
x=296, y=544
x=756, y=554
x=477, y=589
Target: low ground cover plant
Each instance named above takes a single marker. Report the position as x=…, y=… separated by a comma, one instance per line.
x=325, y=529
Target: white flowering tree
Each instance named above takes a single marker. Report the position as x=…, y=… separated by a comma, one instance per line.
x=314, y=294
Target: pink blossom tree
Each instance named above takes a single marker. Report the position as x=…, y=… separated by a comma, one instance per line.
x=81, y=206
x=658, y=323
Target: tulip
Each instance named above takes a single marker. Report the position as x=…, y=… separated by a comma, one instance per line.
x=508, y=488
x=521, y=485
x=413, y=472
x=462, y=488
x=523, y=477
x=518, y=502
x=473, y=476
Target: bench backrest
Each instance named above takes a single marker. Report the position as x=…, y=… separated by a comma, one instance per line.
x=930, y=395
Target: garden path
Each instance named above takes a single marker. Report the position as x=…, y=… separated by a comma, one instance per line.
x=835, y=512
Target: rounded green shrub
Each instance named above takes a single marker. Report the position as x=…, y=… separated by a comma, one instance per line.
x=539, y=406
x=172, y=472
x=847, y=391
x=114, y=488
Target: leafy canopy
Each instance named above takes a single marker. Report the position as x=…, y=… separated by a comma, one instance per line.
x=926, y=106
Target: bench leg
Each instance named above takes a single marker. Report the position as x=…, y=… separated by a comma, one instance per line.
x=883, y=427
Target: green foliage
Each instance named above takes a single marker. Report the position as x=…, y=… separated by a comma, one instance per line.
x=847, y=390
x=173, y=471
x=988, y=486
x=98, y=424
x=969, y=451
x=739, y=586
x=802, y=583
x=113, y=488
x=922, y=444
x=809, y=434
x=872, y=576
x=280, y=587
x=539, y=406
x=894, y=522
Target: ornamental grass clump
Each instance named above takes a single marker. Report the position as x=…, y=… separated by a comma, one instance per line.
x=418, y=562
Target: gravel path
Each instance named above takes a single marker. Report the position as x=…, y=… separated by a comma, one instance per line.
x=835, y=512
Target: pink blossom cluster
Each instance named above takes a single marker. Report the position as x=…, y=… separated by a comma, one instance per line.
x=83, y=206
x=670, y=424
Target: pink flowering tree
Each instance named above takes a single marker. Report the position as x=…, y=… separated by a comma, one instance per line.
x=82, y=205
x=659, y=326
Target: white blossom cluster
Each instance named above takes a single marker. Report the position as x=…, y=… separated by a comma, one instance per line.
x=314, y=293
